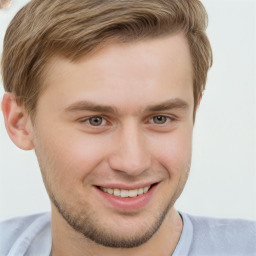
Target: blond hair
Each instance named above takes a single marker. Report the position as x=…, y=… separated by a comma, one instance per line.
x=75, y=28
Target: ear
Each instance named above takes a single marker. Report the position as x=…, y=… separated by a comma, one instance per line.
x=17, y=123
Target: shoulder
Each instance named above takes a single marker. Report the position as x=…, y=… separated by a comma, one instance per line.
x=223, y=236
x=20, y=231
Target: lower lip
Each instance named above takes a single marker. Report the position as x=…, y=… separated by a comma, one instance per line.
x=128, y=203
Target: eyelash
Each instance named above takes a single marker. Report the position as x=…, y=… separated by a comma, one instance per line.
x=167, y=119
x=87, y=120
x=103, y=119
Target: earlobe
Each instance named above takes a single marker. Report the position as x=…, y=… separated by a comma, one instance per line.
x=17, y=123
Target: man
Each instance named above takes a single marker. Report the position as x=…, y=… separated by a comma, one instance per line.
x=106, y=93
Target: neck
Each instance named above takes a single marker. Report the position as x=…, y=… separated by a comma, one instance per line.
x=66, y=241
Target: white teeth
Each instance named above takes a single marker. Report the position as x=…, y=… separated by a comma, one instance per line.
x=140, y=191
x=145, y=190
x=110, y=191
x=117, y=192
x=126, y=193
x=133, y=193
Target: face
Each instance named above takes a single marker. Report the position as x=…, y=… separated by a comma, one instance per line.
x=113, y=136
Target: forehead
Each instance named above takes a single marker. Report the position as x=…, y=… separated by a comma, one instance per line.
x=139, y=71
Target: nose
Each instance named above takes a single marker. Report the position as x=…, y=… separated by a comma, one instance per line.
x=131, y=154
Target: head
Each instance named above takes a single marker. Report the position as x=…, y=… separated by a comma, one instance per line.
x=74, y=29
x=119, y=83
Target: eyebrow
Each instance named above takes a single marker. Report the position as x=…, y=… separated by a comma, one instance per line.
x=90, y=106
x=168, y=105
x=107, y=109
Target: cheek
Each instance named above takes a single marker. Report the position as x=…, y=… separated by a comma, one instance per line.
x=70, y=155
x=174, y=152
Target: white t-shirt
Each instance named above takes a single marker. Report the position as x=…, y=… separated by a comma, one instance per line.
x=201, y=236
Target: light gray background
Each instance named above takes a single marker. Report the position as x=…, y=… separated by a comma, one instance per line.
x=223, y=174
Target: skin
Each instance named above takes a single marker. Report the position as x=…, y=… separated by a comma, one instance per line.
x=143, y=136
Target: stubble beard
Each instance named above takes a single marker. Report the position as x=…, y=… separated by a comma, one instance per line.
x=85, y=222
x=87, y=225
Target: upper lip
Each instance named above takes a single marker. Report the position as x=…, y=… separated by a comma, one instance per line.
x=126, y=186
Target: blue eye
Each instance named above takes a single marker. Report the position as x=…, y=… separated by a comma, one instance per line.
x=159, y=119
x=96, y=121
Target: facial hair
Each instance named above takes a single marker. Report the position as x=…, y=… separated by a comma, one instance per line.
x=84, y=220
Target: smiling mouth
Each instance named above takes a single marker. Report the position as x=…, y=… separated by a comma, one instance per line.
x=124, y=193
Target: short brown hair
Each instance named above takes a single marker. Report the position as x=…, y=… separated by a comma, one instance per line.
x=74, y=28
